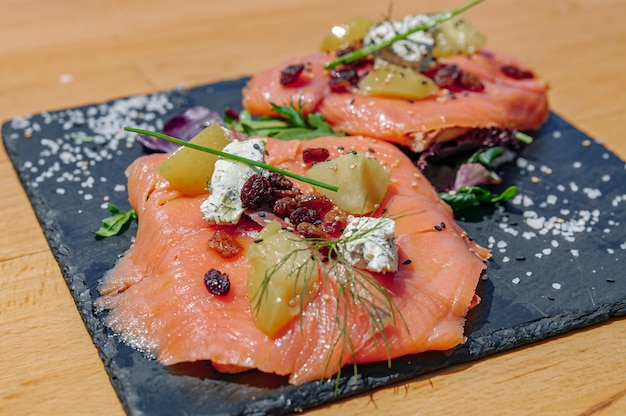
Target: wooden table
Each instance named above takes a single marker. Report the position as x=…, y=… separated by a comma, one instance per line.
x=63, y=53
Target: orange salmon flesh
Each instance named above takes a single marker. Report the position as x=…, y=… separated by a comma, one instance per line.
x=158, y=303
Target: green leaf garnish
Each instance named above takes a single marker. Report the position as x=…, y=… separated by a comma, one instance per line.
x=116, y=223
x=469, y=196
x=237, y=158
x=369, y=49
x=486, y=156
x=290, y=124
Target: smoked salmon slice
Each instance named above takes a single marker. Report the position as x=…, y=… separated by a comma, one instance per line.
x=157, y=302
x=508, y=100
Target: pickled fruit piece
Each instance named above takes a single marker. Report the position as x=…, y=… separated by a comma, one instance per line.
x=362, y=182
x=457, y=37
x=388, y=80
x=346, y=34
x=282, y=278
x=189, y=170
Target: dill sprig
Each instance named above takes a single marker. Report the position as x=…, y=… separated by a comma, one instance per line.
x=237, y=158
x=369, y=49
x=355, y=289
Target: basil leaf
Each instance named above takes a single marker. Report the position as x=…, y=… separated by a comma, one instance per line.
x=116, y=223
x=468, y=196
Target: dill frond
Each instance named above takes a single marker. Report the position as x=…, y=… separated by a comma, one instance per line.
x=356, y=290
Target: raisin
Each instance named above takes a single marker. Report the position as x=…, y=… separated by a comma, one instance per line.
x=290, y=74
x=224, y=244
x=317, y=154
x=256, y=192
x=335, y=221
x=280, y=181
x=446, y=75
x=302, y=214
x=216, y=282
x=342, y=79
x=284, y=207
x=308, y=230
x=514, y=72
x=284, y=193
x=317, y=202
x=469, y=82
x=451, y=77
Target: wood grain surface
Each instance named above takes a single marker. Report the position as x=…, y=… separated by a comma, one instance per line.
x=64, y=53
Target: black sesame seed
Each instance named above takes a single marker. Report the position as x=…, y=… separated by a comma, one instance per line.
x=340, y=148
x=384, y=211
x=261, y=214
x=610, y=280
x=550, y=297
x=407, y=261
x=258, y=240
x=438, y=228
x=371, y=150
x=216, y=282
x=443, y=224
x=514, y=223
x=520, y=258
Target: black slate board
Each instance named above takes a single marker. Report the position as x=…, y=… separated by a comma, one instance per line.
x=559, y=250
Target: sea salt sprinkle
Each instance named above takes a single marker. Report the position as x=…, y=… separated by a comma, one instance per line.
x=101, y=139
x=550, y=215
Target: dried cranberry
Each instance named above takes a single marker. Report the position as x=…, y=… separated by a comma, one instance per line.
x=317, y=154
x=343, y=78
x=224, y=244
x=216, y=282
x=290, y=74
x=514, y=72
x=302, y=214
x=256, y=192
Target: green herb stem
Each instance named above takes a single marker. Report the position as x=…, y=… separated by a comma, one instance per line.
x=237, y=158
x=369, y=49
x=523, y=137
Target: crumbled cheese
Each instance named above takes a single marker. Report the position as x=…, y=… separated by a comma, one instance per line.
x=417, y=47
x=223, y=206
x=368, y=243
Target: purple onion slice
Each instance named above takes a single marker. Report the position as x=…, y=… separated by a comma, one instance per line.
x=183, y=126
